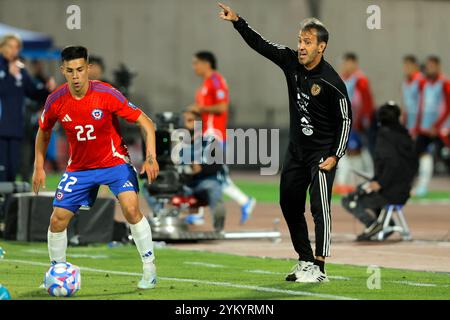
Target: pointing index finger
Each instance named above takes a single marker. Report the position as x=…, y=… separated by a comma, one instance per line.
x=222, y=6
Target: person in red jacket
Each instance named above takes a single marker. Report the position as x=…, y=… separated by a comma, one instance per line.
x=211, y=101
x=359, y=144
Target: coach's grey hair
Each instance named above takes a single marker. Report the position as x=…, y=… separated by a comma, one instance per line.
x=314, y=23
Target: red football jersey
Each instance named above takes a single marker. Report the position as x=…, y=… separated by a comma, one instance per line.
x=214, y=90
x=91, y=124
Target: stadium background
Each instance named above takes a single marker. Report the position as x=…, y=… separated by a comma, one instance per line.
x=157, y=39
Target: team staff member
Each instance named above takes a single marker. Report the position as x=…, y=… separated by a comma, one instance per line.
x=15, y=85
x=411, y=93
x=434, y=108
x=320, y=121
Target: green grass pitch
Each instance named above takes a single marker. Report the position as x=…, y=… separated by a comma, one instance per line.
x=112, y=273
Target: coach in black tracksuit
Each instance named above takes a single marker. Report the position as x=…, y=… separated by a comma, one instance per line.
x=320, y=121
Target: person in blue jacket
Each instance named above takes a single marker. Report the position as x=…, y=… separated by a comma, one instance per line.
x=15, y=85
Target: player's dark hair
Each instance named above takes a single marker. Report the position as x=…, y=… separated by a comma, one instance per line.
x=350, y=56
x=434, y=59
x=313, y=23
x=74, y=52
x=410, y=58
x=389, y=114
x=208, y=57
x=97, y=60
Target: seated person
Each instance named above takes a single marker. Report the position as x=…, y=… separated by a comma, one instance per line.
x=205, y=183
x=395, y=166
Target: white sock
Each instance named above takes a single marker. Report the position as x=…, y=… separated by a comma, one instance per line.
x=57, y=245
x=425, y=171
x=142, y=235
x=231, y=190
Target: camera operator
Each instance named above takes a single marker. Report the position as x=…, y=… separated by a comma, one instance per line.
x=395, y=166
x=205, y=184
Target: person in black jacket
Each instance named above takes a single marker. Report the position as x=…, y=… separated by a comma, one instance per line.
x=15, y=85
x=395, y=166
x=320, y=122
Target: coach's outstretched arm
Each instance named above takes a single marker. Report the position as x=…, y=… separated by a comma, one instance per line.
x=274, y=52
x=40, y=149
x=150, y=165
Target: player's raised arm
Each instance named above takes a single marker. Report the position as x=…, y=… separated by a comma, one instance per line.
x=150, y=165
x=274, y=52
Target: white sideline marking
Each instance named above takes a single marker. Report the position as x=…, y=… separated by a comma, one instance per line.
x=416, y=284
x=213, y=283
x=282, y=273
x=204, y=264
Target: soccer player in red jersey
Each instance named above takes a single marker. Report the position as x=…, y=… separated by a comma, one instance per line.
x=87, y=111
x=211, y=101
x=360, y=142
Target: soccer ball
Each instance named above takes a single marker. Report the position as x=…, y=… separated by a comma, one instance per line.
x=63, y=279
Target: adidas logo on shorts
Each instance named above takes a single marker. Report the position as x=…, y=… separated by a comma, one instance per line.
x=127, y=184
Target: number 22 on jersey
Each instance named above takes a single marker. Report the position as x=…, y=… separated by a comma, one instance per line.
x=85, y=133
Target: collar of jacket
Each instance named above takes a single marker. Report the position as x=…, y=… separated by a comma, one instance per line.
x=316, y=70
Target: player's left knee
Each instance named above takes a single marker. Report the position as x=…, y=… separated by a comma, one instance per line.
x=132, y=213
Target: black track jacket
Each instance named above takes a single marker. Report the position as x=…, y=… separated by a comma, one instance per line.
x=319, y=107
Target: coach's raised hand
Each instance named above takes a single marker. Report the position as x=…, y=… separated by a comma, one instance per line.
x=227, y=13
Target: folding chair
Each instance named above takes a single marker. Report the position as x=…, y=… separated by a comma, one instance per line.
x=392, y=212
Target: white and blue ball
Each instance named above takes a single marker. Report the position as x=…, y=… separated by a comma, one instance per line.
x=63, y=279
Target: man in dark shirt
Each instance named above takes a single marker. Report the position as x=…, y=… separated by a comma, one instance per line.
x=395, y=166
x=320, y=121
x=15, y=86
x=205, y=183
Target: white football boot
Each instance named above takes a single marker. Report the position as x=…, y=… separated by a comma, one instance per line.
x=313, y=275
x=148, y=280
x=298, y=271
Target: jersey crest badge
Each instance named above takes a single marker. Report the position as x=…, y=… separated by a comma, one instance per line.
x=97, y=114
x=307, y=131
x=220, y=94
x=315, y=89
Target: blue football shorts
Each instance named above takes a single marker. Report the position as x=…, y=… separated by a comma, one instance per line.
x=80, y=188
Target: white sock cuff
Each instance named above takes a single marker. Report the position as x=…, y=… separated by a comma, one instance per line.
x=57, y=235
x=142, y=225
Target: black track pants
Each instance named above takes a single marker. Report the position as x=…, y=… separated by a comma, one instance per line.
x=300, y=172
